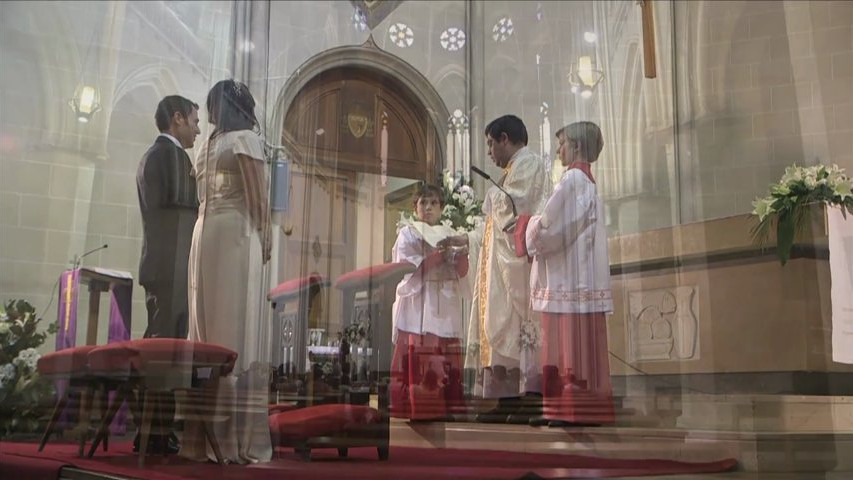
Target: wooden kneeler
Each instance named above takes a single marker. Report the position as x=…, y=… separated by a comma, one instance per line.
x=71, y=365
x=157, y=368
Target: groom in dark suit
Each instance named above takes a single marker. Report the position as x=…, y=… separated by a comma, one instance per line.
x=169, y=205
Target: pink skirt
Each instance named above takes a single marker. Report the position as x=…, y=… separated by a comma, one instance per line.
x=576, y=369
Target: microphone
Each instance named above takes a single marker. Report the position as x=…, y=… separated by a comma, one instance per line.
x=78, y=260
x=511, y=225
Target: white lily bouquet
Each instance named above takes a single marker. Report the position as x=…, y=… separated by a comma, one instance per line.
x=462, y=212
x=787, y=204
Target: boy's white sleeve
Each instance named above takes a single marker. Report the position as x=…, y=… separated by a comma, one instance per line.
x=409, y=248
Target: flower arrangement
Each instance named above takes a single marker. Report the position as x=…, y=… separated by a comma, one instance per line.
x=22, y=391
x=530, y=335
x=326, y=369
x=787, y=202
x=355, y=332
x=462, y=212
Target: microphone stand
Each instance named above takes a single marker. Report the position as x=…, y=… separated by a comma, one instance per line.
x=78, y=260
x=511, y=225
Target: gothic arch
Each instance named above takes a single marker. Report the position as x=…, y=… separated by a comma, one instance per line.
x=368, y=57
x=153, y=75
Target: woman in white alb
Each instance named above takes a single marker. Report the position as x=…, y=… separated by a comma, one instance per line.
x=570, y=287
x=230, y=244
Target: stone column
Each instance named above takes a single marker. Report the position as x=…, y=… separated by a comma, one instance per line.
x=475, y=67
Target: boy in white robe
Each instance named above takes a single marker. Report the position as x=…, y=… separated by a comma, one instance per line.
x=570, y=286
x=427, y=316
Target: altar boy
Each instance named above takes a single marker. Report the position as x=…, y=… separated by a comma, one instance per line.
x=427, y=316
x=570, y=286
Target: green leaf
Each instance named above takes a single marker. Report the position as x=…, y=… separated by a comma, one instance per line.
x=785, y=230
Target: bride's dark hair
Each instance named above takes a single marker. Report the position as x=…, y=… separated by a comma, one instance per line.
x=230, y=106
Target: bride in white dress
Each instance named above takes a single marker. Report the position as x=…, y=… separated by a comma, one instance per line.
x=231, y=242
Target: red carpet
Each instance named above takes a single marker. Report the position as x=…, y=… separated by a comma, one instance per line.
x=21, y=461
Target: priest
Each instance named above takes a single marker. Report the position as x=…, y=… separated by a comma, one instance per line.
x=507, y=369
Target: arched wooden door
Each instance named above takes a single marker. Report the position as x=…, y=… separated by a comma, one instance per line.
x=353, y=133
x=337, y=121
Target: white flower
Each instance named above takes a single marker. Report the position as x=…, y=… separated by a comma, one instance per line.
x=762, y=208
x=530, y=334
x=793, y=175
x=469, y=220
x=447, y=223
x=844, y=188
x=839, y=182
x=27, y=359
x=811, y=182
x=4, y=328
x=466, y=190
x=449, y=179
x=7, y=374
x=448, y=209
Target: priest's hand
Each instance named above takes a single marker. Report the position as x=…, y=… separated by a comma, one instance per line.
x=454, y=241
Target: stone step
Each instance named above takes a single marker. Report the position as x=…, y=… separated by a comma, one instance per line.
x=755, y=451
x=742, y=412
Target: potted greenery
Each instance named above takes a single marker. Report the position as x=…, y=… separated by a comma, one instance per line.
x=22, y=392
x=789, y=201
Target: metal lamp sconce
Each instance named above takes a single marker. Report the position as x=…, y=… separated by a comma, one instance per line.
x=584, y=77
x=85, y=103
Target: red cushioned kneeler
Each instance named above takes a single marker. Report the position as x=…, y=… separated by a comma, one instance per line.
x=69, y=361
x=152, y=368
x=274, y=408
x=337, y=425
x=71, y=365
x=379, y=283
x=376, y=274
x=292, y=302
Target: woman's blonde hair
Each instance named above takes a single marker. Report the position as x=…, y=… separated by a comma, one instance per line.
x=586, y=136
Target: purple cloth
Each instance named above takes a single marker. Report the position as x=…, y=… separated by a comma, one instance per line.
x=69, y=285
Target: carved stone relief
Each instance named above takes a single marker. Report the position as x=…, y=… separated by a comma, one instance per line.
x=662, y=324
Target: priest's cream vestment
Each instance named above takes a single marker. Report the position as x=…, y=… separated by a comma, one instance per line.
x=501, y=297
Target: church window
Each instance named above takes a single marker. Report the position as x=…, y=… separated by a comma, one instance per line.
x=452, y=39
x=359, y=20
x=503, y=29
x=401, y=34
